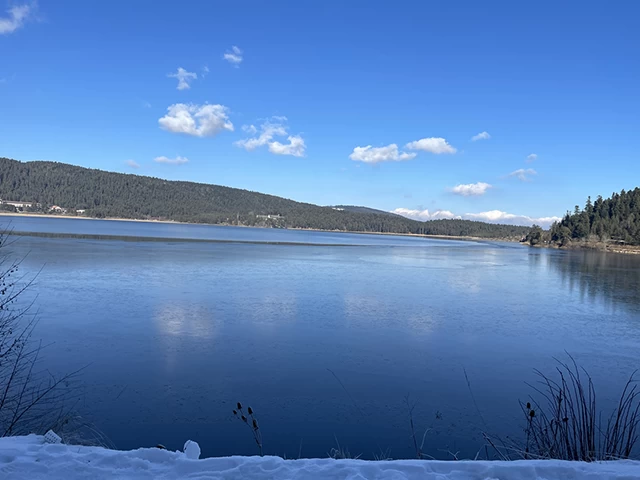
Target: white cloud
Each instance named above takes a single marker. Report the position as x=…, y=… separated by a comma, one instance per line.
x=205, y=71
x=146, y=104
x=492, y=216
x=197, y=120
x=18, y=15
x=132, y=164
x=471, y=189
x=184, y=78
x=532, y=158
x=295, y=147
x=523, y=174
x=497, y=216
x=435, y=145
x=233, y=56
x=370, y=154
x=481, y=136
x=424, y=214
x=171, y=161
x=273, y=127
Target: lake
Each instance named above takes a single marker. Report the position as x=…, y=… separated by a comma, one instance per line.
x=324, y=341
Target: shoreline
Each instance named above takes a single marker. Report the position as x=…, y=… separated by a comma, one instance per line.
x=110, y=219
x=174, y=222
x=598, y=247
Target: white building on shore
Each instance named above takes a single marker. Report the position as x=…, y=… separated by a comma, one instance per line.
x=18, y=205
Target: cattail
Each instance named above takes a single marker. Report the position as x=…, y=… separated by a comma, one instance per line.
x=532, y=413
x=244, y=419
x=239, y=406
x=255, y=424
x=235, y=412
x=528, y=406
x=250, y=411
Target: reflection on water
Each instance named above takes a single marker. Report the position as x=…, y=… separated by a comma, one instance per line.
x=612, y=279
x=177, y=322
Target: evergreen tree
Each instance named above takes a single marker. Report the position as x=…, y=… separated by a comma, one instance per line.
x=614, y=219
x=535, y=235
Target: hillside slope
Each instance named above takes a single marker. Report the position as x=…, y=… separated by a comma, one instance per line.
x=107, y=194
x=360, y=209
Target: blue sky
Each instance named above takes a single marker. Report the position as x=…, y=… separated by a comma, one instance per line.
x=360, y=102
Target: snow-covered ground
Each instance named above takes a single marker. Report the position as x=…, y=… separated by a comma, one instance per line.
x=31, y=458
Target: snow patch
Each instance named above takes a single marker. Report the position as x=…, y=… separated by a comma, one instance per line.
x=31, y=458
x=192, y=450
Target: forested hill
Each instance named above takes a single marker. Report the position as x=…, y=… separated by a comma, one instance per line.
x=614, y=219
x=358, y=209
x=106, y=194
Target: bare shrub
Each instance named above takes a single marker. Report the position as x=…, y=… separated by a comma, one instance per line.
x=565, y=423
x=251, y=421
x=32, y=400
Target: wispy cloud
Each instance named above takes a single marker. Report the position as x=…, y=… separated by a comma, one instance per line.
x=492, y=216
x=205, y=71
x=250, y=129
x=436, y=145
x=372, y=155
x=171, y=161
x=471, y=189
x=532, y=158
x=196, y=120
x=132, y=164
x=481, y=136
x=271, y=128
x=7, y=80
x=17, y=17
x=233, y=56
x=184, y=78
x=523, y=174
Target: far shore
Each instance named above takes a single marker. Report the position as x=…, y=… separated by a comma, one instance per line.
x=618, y=249
x=441, y=237
x=75, y=217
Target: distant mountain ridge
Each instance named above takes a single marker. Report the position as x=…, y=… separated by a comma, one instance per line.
x=102, y=194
